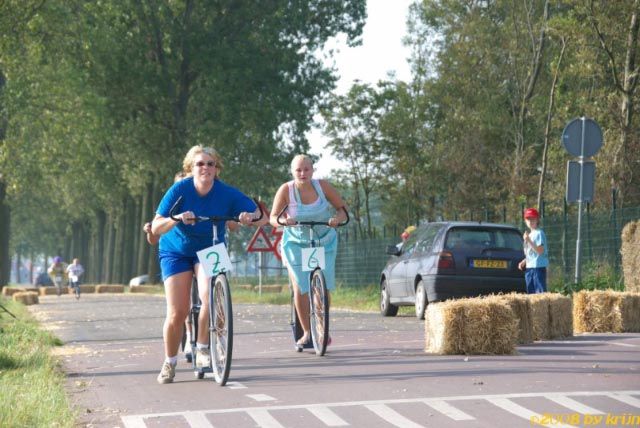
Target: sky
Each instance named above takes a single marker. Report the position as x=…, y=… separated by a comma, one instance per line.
x=381, y=52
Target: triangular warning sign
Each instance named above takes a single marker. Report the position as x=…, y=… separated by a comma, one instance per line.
x=260, y=242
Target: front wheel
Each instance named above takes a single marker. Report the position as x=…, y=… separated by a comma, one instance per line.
x=421, y=300
x=77, y=291
x=319, y=312
x=386, y=308
x=220, y=328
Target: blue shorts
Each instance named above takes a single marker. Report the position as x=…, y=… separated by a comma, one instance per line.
x=172, y=265
x=536, y=279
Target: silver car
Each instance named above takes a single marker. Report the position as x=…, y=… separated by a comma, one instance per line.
x=448, y=260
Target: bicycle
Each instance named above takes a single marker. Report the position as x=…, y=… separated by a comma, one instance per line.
x=74, y=283
x=58, y=279
x=220, y=312
x=318, y=297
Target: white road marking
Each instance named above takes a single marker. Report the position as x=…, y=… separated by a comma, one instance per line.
x=260, y=397
x=448, y=410
x=327, y=416
x=380, y=407
x=523, y=412
x=264, y=419
x=572, y=404
x=391, y=416
x=197, y=420
x=626, y=397
x=235, y=385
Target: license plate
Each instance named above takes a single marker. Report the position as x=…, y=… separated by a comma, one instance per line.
x=489, y=264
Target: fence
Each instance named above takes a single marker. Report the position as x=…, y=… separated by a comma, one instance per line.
x=361, y=260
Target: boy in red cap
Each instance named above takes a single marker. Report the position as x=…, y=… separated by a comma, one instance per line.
x=536, y=261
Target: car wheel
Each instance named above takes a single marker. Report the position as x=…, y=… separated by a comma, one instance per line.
x=421, y=300
x=386, y=308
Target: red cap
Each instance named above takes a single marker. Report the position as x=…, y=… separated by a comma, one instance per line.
x=531, y=213
x=404, y=236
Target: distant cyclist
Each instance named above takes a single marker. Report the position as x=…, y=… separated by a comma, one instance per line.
x=74, y=272
x=58, y=272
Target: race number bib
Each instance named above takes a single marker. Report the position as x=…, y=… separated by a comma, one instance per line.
x=215, y=260
x=312, y=258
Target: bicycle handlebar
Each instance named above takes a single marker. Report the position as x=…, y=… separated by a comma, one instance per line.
x=199, y=218
x=311, y=223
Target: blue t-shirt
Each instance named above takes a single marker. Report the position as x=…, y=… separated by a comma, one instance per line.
x=222, y=200
x=535, y=260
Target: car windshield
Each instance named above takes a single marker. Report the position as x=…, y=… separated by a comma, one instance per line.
x=483, y=238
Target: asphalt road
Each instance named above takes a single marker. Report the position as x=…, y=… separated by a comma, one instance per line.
x=375, y=374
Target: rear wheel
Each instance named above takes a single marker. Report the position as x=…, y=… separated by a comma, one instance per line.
x=77, y=290
x=386, y=308
x=319, y=312
x=421, y=300
x=220, y=328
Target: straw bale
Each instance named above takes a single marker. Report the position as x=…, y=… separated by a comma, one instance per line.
x=540, y=316
x=26, y=297
x=46, y=291
x=630, y=250
x=110, y=288
x=630, y=311
x=10, y=291
x=597, y=311
x=560, y=316
x=521, y=307
x=477, y=326
x=145, y=289
x=83, y=289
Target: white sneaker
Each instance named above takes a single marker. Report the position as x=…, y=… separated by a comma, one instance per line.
x=203, y=359
x=167, y=373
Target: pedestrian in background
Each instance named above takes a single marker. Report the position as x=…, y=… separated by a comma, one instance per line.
x=536, y=260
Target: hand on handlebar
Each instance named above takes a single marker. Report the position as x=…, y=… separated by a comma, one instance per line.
x=187, y=217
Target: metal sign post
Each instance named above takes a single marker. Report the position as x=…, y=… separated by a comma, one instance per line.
x=582, y=137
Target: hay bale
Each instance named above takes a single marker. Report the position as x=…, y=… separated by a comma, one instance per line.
x=560, y=316
x=478, y=326
x=10, y=291
x=606, y=311
x=84, y=289
x=540, y=316
x=26, y=297
x=145, y=289
x=597, y=311
x=109, y=288
x=521, y=307
x=630, y=251
x=47, y=291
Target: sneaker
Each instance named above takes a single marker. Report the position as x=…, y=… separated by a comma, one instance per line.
x=188, y=353
x=203, y=359
x=167, y=373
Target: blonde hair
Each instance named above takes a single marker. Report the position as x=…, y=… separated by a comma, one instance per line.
x=187, y=163
x=301, y=157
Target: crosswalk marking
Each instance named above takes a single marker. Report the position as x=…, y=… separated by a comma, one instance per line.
x=264, y=419
x=323, y=411
x=626, y=398
x=261, y=397
x=448, y=410
x=523, y=412
x=197, y=420
x=327, y=416
x=574, y=405
x=235, y=385
x=391, y=416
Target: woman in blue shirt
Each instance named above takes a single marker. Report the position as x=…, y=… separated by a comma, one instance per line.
x=203, y=194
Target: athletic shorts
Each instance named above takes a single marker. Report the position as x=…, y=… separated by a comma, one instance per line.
x=172, y=265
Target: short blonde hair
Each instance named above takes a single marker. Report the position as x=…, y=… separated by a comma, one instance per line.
x=187, y=163
x=301, y=157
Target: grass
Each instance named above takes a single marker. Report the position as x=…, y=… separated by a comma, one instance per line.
x=31, y=381
x=360, y=299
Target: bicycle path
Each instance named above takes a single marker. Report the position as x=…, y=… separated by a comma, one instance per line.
x=375, y=373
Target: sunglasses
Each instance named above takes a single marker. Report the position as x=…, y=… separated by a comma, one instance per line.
x=210, y=164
